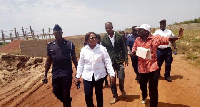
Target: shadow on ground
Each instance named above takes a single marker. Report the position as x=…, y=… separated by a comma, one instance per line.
x=129, y=98
x=173, y=77
x=162, y=104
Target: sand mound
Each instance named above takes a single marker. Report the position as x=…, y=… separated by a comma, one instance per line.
x=19, y=76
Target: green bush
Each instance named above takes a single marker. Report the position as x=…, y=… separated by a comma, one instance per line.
x=188, y=21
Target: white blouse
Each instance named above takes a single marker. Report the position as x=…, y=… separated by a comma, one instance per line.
x=94, y=61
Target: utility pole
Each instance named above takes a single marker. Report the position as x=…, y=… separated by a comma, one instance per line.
x=43, y=34
x=49, y=34
x=24, y=33
x=15, y=33
x=3, y=36
x=32, y=33
x=11, y=37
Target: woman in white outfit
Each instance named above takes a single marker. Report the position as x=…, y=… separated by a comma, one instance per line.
x=91, y=67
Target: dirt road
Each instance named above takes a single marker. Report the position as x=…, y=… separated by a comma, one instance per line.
x=184, y=91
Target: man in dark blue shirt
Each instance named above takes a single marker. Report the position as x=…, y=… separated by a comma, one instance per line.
x=129, y=43
x=60, y=52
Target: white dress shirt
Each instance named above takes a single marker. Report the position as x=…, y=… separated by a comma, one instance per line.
x=165, y=33
x=112, y=39
x=94, y=61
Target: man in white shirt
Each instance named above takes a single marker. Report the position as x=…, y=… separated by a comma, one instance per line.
x=117, y=51
x=164, y=52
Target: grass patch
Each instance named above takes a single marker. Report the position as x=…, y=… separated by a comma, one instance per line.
x=189, y=44
x=3, y=44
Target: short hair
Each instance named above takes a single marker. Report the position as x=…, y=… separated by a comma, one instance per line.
x=98, y=36
x=108, y=23
x=87, y=36
x=163, y=21
x=133, y=27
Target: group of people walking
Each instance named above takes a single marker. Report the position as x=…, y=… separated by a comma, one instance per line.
x=103, y=56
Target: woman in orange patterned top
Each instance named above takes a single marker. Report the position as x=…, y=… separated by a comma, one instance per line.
x=147, y=68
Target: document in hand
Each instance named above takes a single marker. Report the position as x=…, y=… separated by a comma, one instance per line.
x=143, y=53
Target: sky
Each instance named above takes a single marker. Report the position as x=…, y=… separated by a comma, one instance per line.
x=77, y=17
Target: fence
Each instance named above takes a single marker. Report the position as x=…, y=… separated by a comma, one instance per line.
x=25, y=35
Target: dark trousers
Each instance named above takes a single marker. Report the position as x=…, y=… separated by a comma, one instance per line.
x=134, y=60
x=106, y=81
x=88, y=89
x=61, y=89
x=121, y=75
x=152, y=78
x=165, y=55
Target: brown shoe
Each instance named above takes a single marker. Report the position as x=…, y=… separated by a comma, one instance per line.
x=113, y=101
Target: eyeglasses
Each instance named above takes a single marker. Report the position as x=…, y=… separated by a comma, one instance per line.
x=93, y=38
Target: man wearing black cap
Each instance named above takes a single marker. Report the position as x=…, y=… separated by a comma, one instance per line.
x=60, y=52
x=164, y=52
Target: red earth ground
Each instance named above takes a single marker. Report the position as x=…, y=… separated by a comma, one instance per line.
x=29, y=91
x=12, y=47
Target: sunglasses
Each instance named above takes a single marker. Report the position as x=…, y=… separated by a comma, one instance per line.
x=93, y=38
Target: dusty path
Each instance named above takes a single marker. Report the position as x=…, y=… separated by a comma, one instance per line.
x=182, y=92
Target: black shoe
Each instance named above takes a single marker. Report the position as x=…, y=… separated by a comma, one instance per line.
x=168, y=79
x=158, y=75
x=136, y=78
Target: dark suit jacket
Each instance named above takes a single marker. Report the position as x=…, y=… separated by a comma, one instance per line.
x=118, y=53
